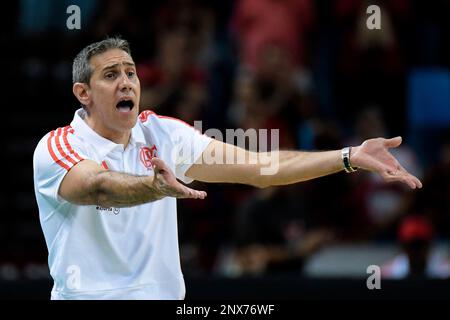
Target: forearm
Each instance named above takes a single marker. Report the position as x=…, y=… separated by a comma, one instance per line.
x=114, y=189
x=297, y=166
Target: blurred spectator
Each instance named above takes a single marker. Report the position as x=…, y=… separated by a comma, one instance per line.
x=260, y=259
x=271, y=237
x=257, y=104
x=115, y=17
x=284, y=23
x=418, y=259
x=173, y=84
x=197, y=19
x=434, y=199
x=379, y=204
x=271, y=38
x=370, y=67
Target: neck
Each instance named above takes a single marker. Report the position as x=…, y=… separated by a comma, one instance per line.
x=119, y=137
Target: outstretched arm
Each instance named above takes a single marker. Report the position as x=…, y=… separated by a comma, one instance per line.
x=287, y=167
x=88, y=183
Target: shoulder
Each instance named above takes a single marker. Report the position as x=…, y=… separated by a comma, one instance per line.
x=147, y=117
x=52, y=136
x=62, y=136
x=60, y=145
x=159, y=124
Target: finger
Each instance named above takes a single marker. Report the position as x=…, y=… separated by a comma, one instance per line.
x=411, y=183
x=181, y=191
x=158, y=164
x=416, y=181
x=393, y=142
x=191, y=193
x=198, y=194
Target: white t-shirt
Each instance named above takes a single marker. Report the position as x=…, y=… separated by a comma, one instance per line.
x=114, y=253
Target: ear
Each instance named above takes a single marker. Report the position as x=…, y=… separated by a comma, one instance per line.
x=82, y=92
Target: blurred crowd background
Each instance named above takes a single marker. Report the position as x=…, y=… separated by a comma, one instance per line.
x=311, y=69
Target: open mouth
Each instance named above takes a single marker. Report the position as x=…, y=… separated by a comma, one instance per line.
x=125, y=105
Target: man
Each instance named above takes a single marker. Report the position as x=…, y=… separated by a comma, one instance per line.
x=107, y=184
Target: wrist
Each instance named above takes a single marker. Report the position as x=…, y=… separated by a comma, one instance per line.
x=154, y=191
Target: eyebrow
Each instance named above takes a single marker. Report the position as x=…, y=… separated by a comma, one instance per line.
x=129, y=64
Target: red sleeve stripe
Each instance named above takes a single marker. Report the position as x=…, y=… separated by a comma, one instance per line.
x=66, y=142
x=61, y=151
x=50, y=150
x=64, y=156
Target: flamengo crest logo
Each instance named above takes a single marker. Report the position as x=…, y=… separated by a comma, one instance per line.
x=146, y=154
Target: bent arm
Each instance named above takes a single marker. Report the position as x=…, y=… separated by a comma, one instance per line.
x=88, y=183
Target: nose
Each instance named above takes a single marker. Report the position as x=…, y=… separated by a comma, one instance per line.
x=125, y=84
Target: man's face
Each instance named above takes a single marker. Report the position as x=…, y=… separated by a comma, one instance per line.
x=114, y=92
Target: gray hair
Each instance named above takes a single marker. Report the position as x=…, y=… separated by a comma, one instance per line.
x=81, y=69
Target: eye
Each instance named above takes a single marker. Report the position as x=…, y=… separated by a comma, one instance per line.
x=110, y=75
x=131, y=74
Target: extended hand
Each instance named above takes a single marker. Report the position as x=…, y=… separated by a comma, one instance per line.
x=167, y=185
x=374, y=155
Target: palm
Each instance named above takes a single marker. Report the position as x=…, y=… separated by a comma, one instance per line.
x=374, y=155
